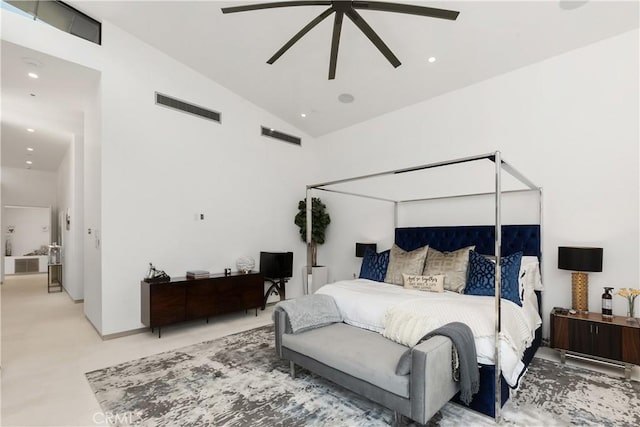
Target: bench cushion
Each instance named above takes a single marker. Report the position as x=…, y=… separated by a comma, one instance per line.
x=360, y=353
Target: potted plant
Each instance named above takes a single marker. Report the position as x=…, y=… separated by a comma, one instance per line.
x=320, y=220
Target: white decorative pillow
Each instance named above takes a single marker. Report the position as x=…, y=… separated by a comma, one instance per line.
x=401, y=261
x=407, y=328
x=424, y=283
x=454, y=265
x=529, y=278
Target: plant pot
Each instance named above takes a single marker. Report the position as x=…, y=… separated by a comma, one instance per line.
x=312, y=282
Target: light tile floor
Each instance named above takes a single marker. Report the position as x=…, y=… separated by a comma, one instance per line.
x=48, y=345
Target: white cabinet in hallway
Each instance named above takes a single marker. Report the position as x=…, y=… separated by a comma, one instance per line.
x=25, y=264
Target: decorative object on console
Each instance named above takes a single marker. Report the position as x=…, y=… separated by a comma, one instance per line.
x=245, y=264
x=361, y=248
x=630, y=294
x=155, y=275
x=607, y=308
x=55, y=254
x=320, y=220
x=580, y=260
x=277, y=269
x=197, y=274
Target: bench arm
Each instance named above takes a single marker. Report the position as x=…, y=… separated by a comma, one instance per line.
x=432, y=383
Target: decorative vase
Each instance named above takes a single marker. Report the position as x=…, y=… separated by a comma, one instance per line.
x=245, y=264
x=631, y=309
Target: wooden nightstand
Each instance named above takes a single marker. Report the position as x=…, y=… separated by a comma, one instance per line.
x=590, y=335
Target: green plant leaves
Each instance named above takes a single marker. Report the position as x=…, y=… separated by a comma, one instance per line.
x=320, y=220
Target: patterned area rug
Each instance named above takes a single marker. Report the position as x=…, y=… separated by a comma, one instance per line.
x=239, y=381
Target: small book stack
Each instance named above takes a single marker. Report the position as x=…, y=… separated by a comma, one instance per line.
x=197, y=274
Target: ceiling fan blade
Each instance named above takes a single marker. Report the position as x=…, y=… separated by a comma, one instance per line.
x=406, y=8
x=335, y=42
x=258, y=6
x=299, y=35
x=375, y=39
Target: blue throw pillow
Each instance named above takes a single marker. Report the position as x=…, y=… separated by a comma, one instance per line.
x=482, y=273
x=374, y=265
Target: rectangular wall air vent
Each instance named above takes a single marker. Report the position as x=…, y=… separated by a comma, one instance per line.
x=280, y=135
x=185, y=107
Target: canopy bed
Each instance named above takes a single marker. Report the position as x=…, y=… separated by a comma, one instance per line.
x=495, y=240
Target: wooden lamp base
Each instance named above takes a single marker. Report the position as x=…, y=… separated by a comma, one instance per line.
x=580, y=292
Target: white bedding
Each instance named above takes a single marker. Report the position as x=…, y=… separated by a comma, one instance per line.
x=363, y=303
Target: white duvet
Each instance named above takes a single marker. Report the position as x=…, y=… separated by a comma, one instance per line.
x=364, y=303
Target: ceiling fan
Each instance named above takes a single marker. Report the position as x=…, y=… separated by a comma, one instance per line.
x=341, y=8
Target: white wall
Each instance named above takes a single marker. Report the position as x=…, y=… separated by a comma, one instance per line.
x=570, y=124
x=31, y=229
x=69, y=192
x=91, y=181
x=156, y=168
x=28, y=187
x=160, y=168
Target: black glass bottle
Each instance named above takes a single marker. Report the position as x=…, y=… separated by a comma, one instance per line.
x=607, y=310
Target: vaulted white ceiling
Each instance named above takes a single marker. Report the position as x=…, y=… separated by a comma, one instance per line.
x=488, y=39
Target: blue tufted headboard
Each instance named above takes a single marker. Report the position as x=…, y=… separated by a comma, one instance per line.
x=525, y=238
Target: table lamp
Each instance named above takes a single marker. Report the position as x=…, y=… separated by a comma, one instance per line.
x=580, y=260
x=361, y=248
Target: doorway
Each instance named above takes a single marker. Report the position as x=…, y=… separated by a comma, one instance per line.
x=26, y=239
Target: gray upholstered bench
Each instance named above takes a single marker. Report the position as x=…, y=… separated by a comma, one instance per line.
x=365, y=362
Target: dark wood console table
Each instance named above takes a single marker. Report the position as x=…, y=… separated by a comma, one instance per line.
x=180, y=299
x=589, y=335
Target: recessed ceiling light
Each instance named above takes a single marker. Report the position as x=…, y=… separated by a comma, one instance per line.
x=33, y=75
x=346, y=98
x=571, y=4
x=32, y=62
x=432, y=59
x=29, y=148
x=29, y=162
x=303, y=115
x=31, y=130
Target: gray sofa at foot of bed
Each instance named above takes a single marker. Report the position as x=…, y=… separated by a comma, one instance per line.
x=365, y=362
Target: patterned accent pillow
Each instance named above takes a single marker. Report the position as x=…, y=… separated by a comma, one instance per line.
x=453, y=265
x=482, y=273
x=424, y=283
x=374, y=265
x=401, y=261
